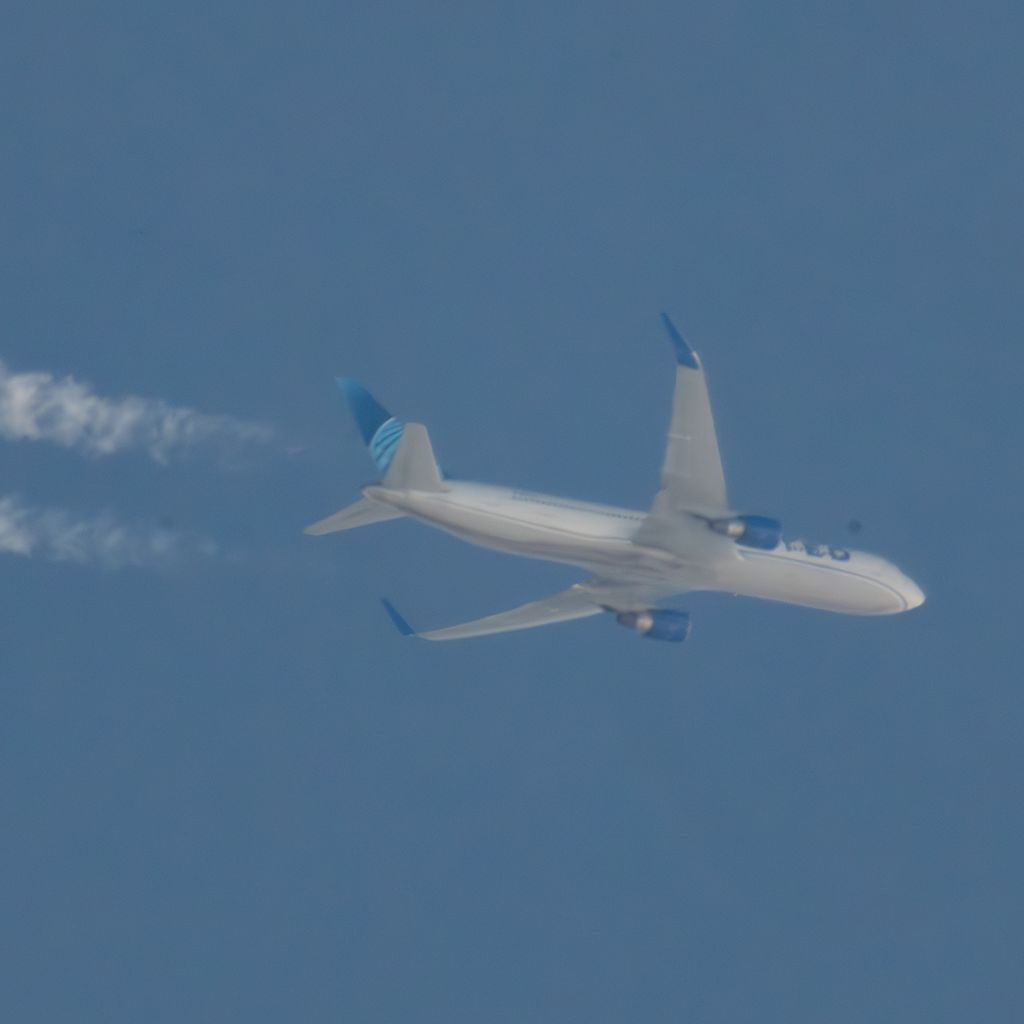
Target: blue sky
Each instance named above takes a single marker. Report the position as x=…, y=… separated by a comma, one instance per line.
x=230, y=791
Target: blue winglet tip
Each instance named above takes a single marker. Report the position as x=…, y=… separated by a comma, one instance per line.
x=685, y=355
x=400, y=624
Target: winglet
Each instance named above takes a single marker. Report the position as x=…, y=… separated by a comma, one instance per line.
x=685, y=355
x=400, y=624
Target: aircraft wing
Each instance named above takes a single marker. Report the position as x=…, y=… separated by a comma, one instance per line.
x=578, y=602
x=691, y=476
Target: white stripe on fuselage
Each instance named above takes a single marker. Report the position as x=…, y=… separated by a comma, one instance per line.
x=599, y=538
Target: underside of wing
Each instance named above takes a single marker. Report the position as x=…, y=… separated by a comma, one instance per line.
x=691, y=478
x=578, y=602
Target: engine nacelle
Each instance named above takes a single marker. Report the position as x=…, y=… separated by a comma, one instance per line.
x=657, y=624
x=754, y=531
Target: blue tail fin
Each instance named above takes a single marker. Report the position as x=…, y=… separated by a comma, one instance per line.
x=380, y=430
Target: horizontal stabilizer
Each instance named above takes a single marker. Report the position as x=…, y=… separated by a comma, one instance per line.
x=413, y=467
x=361, y=513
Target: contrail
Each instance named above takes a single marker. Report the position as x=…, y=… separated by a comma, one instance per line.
x=58, y=536
x=40, y=407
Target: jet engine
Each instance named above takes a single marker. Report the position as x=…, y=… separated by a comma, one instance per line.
x=754, y=531
x=657, y=624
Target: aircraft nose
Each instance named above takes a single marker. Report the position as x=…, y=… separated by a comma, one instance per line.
x=912, y=593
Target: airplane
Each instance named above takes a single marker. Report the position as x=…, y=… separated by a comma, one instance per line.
x=691, y=539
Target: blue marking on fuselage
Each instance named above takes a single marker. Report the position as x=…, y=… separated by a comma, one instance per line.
x=818, y=550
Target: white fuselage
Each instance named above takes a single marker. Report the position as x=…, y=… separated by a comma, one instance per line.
x=603, y=540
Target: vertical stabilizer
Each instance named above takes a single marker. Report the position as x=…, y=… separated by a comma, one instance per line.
x=380, y=430
x=413, y=467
